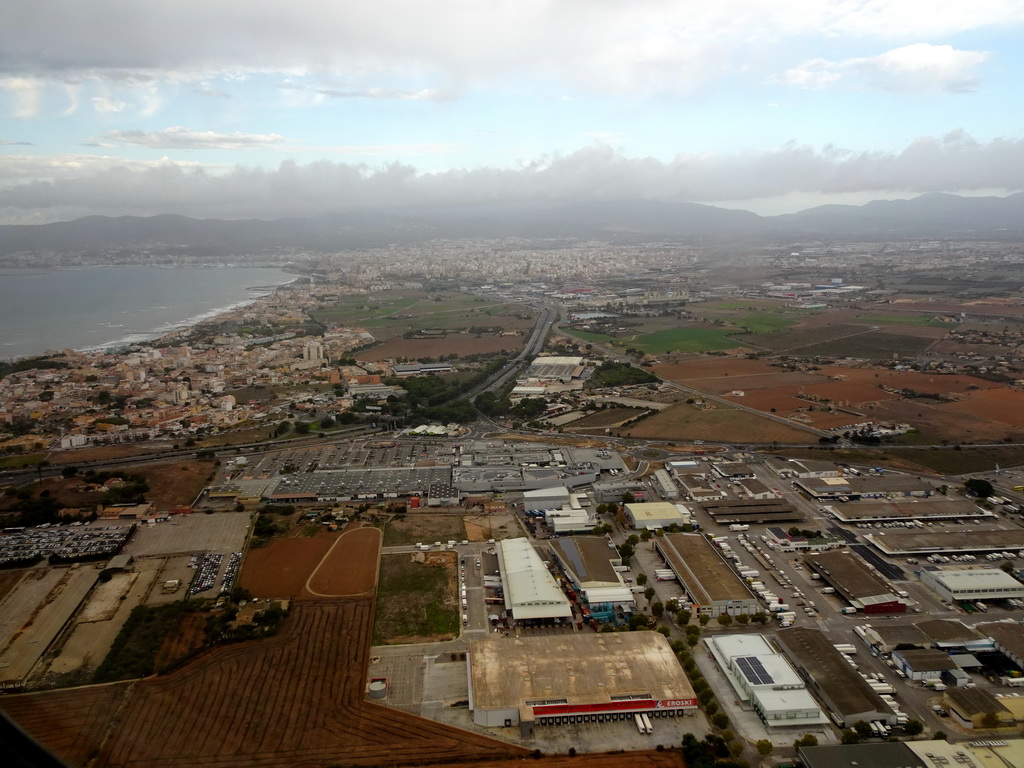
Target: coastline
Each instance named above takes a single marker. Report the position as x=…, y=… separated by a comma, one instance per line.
x=189, y=323
x=84, y=310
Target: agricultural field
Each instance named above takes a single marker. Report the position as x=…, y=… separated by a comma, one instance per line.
x=685, y=422
x=924, y=320
x=416, y=527
x=461, y=344
x=499, y=525
x=466, y=319
x=416, y=601
x=607, y=417
x=873, y=345
x=691, y=339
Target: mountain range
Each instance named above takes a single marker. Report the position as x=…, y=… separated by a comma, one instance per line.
x=929, y=215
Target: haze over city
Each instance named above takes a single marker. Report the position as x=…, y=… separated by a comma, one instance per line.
x=263, y=109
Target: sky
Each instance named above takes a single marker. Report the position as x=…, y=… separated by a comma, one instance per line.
x=266, y=108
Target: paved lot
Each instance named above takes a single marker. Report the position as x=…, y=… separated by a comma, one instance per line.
x=221, y=532
x=22, y=654
x=22, y=601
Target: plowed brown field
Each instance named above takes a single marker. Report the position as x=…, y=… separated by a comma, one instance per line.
x=282, y=568
x=295, y=699
x=350, y=567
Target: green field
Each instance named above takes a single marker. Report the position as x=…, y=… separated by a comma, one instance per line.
x=18, y=460
x=765, y=322
x=685, y=340
x=918, y=320
x=874, y=345
x=413, y=603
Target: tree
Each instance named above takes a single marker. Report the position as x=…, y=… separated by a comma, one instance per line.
x=862, y=728
x=979, y=487
x=704, y=619
x=913, y=727
x=940, y=736
x=990, y=720
x=302, y=428
x=645, y=535
x=683, y=617
x=720, y=720
x=641, y=579
x=764, y=747
x=807, y=740
x=625, y=552
x=633, y=540
x=724, y=620
x=657, y=610
x=649, y=592
x=849, y=736
x=743, y=619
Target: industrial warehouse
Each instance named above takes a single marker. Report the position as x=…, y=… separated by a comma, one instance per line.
x=846, y=695
x=591, y=564
x=858, y=585
x=907, y=510
x=531, y=592
x=578, y=678
x=765, y=680
x=948, y=541
x=955, y=584
x=713, y=587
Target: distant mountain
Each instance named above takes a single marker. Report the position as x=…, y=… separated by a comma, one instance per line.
x=927, y=215
x=930, y=214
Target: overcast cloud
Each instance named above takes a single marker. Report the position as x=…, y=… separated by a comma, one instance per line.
x=593, y=173
x=265, y=108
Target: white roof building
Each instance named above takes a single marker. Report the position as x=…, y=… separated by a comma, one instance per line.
x=765, y=679
x=972, y=583
x=531, y=592
x=653, y=514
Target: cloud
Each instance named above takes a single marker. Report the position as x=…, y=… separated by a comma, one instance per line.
x=103, y=105
x=68, y=186
x=25, y=92
x=178, y=137
x=646, y=46
x=4, y=143
x=425, y=94
x=917, y=67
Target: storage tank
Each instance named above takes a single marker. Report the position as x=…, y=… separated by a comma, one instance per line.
x=378, y=689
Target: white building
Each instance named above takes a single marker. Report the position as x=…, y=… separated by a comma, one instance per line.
x=653, y=514
x=971, y=583
x=764, y=679
x=544, y=499
x=531, y=592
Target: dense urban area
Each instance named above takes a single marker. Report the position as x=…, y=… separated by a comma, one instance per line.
x=484, y=500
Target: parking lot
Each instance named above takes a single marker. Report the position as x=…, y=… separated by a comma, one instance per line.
x=195, y=533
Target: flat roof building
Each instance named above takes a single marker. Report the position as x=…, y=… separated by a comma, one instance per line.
x=713, y=586
x=907, y=509
x=575, y=678
x=842, y=690
x=531, y=592
x=653, y=514
x=543, y=499
x=976, y=708
x=971, y=583
x=852, y=579
x=1008, y=637
x=948, y=540
x=725, y=511
x=591, y=563
x=923, y=664
x=764, y=679
x=893, y=754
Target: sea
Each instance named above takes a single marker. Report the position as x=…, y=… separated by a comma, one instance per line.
x=103, y=307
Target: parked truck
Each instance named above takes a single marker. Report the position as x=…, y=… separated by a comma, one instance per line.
x=739, y=527
x=849, y=609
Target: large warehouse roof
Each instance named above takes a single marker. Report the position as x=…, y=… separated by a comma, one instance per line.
x=848, y=693
x=948, y=540
x=590, y=558
x=848, y=574
x=703, y=571
x=575, y=669
x=531, y=592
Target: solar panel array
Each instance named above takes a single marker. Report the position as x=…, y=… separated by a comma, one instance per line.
x=754, y=670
